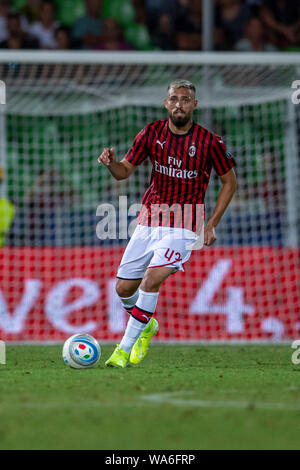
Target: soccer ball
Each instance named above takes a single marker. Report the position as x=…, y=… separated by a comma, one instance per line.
x=81, y=351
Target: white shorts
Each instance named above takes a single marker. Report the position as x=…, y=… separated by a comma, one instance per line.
x=151, y=247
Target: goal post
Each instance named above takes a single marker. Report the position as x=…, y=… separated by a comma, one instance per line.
x=58, y=273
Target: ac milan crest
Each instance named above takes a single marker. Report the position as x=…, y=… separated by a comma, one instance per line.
x=192, y=151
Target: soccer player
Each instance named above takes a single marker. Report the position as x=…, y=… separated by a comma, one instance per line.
x=182, y=154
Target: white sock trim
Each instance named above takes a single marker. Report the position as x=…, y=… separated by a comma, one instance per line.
x=147, y=301
x=129, y=302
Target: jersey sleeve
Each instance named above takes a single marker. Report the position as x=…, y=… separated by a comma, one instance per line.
x=139, y=150
x=222, y=160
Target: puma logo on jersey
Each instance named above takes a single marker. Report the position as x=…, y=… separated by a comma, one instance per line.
x=161, y=143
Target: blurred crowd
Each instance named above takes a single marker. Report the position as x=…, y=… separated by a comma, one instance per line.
x=170, y=25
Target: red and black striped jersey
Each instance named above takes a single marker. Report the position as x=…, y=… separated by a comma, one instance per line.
x=181, y=168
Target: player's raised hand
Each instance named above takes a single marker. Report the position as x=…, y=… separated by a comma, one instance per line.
x=108, y=156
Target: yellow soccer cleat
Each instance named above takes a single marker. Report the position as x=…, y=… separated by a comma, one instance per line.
x=140, y=347
x=118, y=358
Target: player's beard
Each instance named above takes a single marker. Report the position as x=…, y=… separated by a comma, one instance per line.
x=179, y=121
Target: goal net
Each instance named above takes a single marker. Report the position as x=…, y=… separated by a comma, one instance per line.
x=65, y=221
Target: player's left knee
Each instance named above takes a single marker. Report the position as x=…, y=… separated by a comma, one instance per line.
x=150, y=284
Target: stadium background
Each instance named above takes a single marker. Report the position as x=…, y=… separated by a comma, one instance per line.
x=67, y=96
x=63, y=106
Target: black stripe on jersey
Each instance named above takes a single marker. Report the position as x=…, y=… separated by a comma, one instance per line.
x=195, y=139
x=227, y=163
x=172, y=153
x=147, y=193
x=218, y=160
x=210, y=141
x=135, y=153
x=175, y=196
x=151, y=134
x=178, y=152
x=145, y=219
x=198, y=181
x=159, y=126
x=207, y=139
x=184, y=186
x=166, y=180
x=158, y=157
x=207, y=162
x=162, y=136
x=143, y=143
x=202, y=166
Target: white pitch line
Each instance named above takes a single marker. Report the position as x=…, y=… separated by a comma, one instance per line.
x=63, y=405
x=173, y=399
x=183, y=398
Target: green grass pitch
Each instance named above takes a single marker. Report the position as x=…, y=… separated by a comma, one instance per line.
x=179, y=397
